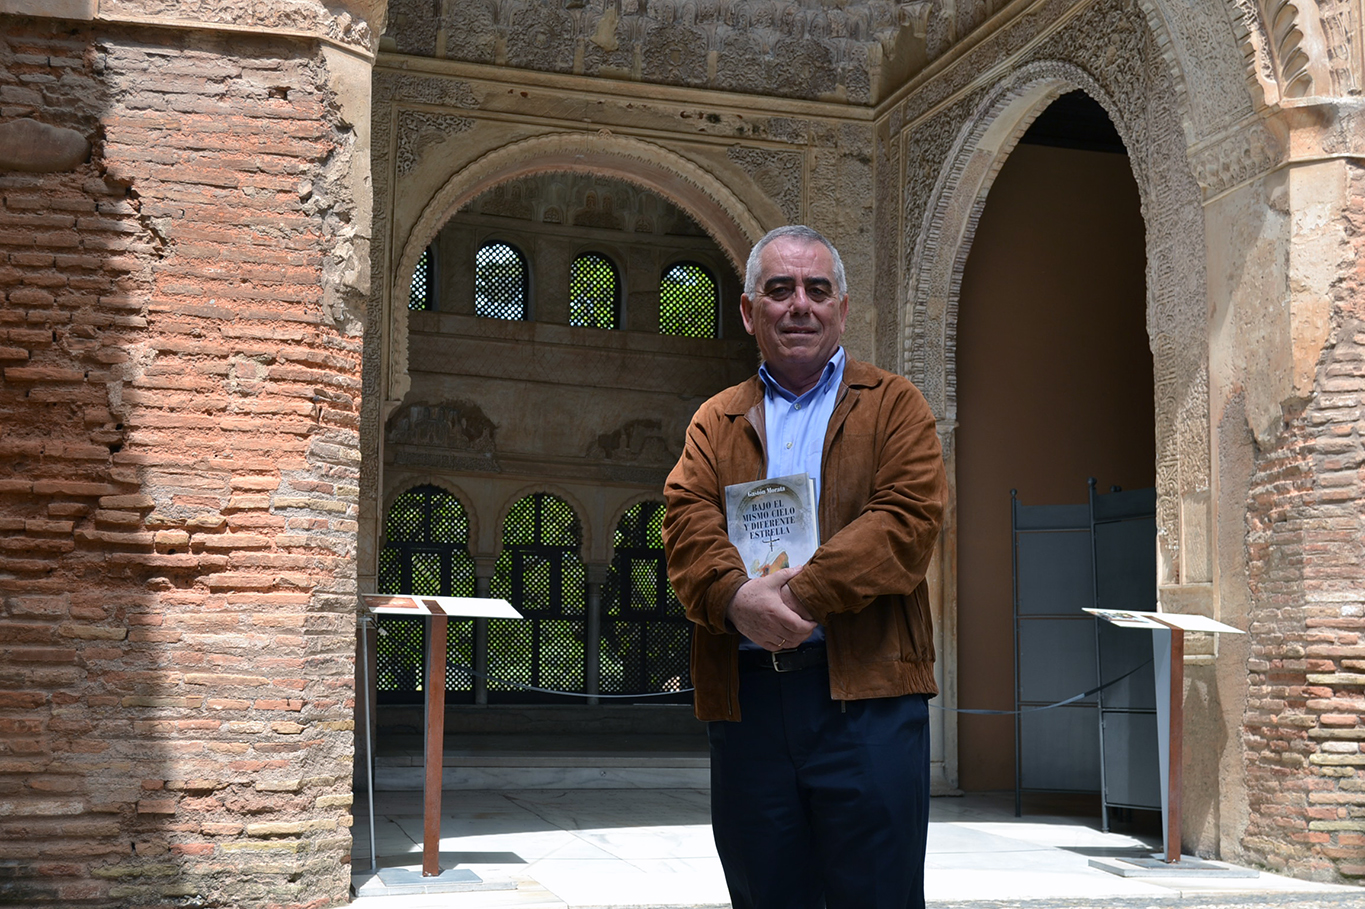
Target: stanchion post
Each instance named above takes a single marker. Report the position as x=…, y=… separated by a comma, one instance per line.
x=436, y=733
x=364, y=691
x=1177, y=737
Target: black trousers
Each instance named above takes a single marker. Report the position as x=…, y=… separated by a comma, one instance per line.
x=817, y=803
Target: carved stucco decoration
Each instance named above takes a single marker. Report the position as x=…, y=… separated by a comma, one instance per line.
x=778, y=173
x=1285, y=50
x=388, y=90
x=681, y=181
x=972, y=134
x=1195, y=38
x=1340, y=24
x=640, y=442
x=796, y=48
x=355, y=24
x=1235, y=159
x=547, y=197
x=1204, y=44
x=457, y=425
x=420, y=130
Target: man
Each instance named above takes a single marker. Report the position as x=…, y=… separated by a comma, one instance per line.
x=816, y=678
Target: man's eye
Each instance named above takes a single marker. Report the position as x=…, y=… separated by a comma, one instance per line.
x=780, y=293
x=818, y=294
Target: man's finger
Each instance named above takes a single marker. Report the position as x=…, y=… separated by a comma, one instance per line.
x=793, y=602
x=780, y=577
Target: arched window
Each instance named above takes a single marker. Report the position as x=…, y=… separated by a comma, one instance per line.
x=499, y=282
x=644, y=630
x=540, y=572
x=688, y=304
x=422, y=292
x=426, y=551
x=593, y=292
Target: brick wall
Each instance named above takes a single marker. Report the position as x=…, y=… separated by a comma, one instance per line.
x=178, y=477
x=1306, y=550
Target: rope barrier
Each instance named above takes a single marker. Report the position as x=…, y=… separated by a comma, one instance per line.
x=469, y=670
x=1071, y=700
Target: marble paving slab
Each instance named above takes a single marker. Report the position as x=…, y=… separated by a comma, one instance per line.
x=652, y=848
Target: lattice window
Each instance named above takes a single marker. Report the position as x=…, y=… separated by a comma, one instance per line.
x=499, y=282
x=541, y=573
x=688, y=304
x=422, y=293
x=426, y=551
x=644, y=630
x=593, y=292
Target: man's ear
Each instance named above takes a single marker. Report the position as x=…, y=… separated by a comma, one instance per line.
x=746, y=312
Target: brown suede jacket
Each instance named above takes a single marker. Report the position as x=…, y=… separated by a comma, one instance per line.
x=883, y=492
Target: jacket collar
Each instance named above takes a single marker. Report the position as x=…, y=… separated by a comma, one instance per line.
x=749, y=393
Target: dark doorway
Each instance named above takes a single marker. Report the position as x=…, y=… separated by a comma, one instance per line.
x=1055, y=383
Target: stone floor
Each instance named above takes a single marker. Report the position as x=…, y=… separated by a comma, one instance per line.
x=618, y=848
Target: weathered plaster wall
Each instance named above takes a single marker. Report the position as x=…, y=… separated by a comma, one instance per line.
x=178, y=468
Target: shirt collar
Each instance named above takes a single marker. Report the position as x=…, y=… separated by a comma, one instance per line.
x=832, y=368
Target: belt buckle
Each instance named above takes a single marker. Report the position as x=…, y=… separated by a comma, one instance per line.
x=777, y=667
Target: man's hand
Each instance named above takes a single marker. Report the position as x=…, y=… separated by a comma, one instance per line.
x=769, y=614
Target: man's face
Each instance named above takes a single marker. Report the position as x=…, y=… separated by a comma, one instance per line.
x=797, y=314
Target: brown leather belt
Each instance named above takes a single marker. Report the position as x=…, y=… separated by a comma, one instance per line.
x=783, y=660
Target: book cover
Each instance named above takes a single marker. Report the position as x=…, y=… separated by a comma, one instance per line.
x=773, y=523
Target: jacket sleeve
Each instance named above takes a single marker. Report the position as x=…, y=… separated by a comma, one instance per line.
x=886, y=546
x=703, y=565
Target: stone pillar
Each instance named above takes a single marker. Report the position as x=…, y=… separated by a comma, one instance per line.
x=484, y=569
x=592, y=650
x=1278, y=713
x=181, y=363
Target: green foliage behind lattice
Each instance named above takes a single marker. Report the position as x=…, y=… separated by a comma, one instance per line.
x=593, y=292
x=688, y=304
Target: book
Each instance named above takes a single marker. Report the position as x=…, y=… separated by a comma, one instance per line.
x=773, y=523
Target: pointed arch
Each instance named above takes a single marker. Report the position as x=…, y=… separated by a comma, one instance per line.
x=714, y=206
x=939, y=256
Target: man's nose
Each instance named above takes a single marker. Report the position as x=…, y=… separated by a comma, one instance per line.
x=800, y=302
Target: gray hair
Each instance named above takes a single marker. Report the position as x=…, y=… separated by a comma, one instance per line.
x=752, y=268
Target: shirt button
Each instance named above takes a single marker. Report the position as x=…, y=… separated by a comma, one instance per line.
x=789, y=445
x=798, y=406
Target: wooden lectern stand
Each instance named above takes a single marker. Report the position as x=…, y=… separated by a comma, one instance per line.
x=437, y=611
x=1168, y=654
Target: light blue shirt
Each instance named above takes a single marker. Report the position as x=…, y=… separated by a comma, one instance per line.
x=795, y=428
x=796, y=425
